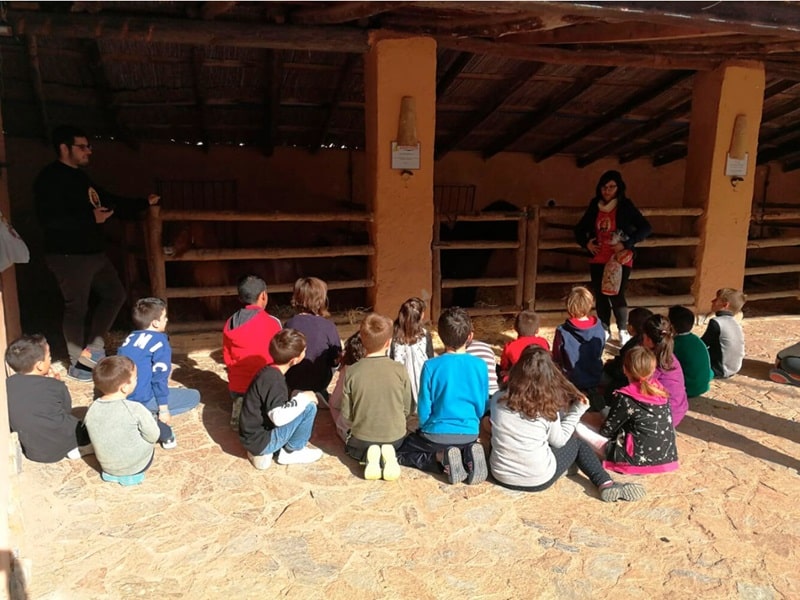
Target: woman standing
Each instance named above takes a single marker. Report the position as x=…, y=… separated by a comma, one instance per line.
x=609, y=229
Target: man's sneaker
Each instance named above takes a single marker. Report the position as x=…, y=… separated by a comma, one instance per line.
x=453, y=467
x=299, y=457
x=90, y=357
x=391, y=468
x=76, y=373
x=622, y=491
x=76, y=453
x=372, y=470
x=261, y=463
x=170, y=444
x=236, y=411
x=477, y=470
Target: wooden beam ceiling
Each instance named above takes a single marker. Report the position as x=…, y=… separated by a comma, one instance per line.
x=641, y=97
x=340, y=12
x=32, y=47
x=211, y=10
x=534, y=118
x=105, y=95
x=610, y=33
x=201, y=97
x=636, y=133
x=272, y=101
x=499, y=95
x=453, y=71
x=344, y=76
x=186, y=31
x=678, y=133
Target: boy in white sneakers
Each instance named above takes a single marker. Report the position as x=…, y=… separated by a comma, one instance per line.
x=270, y=420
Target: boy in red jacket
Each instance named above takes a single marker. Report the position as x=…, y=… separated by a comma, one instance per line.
x=245, y=340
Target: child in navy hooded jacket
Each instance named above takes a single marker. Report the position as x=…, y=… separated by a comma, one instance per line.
x=578, y=343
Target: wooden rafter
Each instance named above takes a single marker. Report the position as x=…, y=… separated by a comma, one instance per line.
x=453, y=71
x=633, y=135
x=211, y=10
x=344, y=76
x=605, y=58
x=105, y=95
x=609, y=33
x=341, y=12
x=499, y=95
x=668, y=156
x=272, y=101
x=791, y=165
x=551, y=104
x=641, y=97
x=790, y=146
x=36, y=80
x=186, y=31
x=673, y=136
x=200, y=94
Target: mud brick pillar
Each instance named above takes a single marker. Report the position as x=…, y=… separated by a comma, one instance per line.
x=401, y=202
x=717, y=98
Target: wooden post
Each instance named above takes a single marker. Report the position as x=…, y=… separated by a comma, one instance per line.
x=436, y=294
x=155, y=252
x=522, y=236
x=531, y=258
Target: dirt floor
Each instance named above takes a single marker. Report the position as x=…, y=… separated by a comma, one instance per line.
x=205, y=524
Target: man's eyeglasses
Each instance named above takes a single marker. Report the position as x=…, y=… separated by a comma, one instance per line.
x=83, y=147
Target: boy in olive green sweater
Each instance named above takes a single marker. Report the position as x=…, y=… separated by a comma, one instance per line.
x=377, y=401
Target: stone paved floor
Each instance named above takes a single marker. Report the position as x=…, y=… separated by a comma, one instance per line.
x=205, y=524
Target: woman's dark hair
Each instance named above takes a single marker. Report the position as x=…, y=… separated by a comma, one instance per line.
x=537, y=387
x=606, y=177
x=659, y=330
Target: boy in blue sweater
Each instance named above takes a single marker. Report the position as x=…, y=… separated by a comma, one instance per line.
x=452, y=400
x=148, y=347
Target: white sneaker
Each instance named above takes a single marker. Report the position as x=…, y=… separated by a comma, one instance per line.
x=299, y=457
x=624, y=338
x=261, y=463
x=170, y=444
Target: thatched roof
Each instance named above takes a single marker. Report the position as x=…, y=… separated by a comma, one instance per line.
x=545, y=78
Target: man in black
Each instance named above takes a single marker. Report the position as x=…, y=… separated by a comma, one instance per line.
x=71, y=210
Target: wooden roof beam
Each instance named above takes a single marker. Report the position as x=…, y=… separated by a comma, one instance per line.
x=36, y=80
x=532, y=119
x=612, y=33
x=673, y=136
x=668, y=156
x=637, y=99
x=604, y=58
x=501, y=93
x=200, y=94
x=453, y=71
x=198, y=33
x=791, y=165
x=790, y=146
x=341, y=12
x=272, y=101
x=105, y=95
x=211, y=10
x=642, y=130
x=344, y=76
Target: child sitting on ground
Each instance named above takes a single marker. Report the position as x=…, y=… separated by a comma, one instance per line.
x=691, y=352
x=532, y=444
x=657, y=336
x=787, y=366
x=315, y=371
x=724, y=337
x=638, y=436
x=578, y=346
x=245, y=340
x=353, y=352
x=273, y=422
x=39, y=405
x=485, y=352
x=613, y=373
x=411, y=343
x=527, y=326
x=451, y=403
x=377, y=401
x=123, y=432
x=148, y=347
